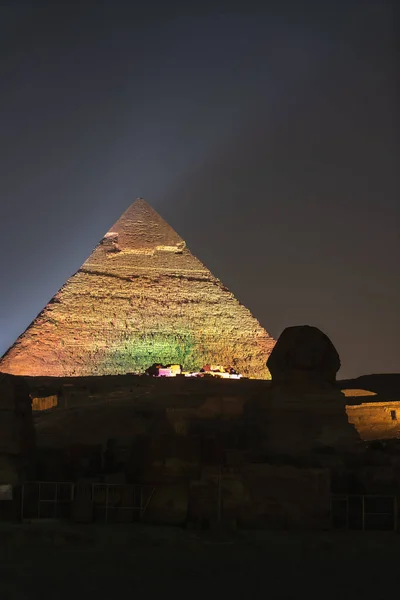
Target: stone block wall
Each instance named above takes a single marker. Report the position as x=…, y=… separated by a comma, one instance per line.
x=376, y=420
x=17, y=433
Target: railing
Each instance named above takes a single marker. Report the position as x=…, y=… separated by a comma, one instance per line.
x=364, y=512
x=46, y=500
x=100, y=501
x=110, y=500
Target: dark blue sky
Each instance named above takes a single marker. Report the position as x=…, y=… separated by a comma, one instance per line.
x=265, y=136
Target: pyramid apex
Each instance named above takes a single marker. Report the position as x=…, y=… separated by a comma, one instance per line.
x=140, y=226
x=139, y=201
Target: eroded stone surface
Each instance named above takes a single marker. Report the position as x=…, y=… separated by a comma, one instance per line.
x=304, y=354
x=376, y=420
x=140, y=298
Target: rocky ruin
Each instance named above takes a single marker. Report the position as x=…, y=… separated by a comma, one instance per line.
x=255, y=452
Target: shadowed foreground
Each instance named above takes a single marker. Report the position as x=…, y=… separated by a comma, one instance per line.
x=54, y=561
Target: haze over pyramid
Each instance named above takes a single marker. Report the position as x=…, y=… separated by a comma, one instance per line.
x=140, y=298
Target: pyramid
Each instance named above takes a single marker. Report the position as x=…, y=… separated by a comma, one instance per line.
x=140, y=298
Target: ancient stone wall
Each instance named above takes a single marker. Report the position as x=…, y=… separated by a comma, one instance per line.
x=376, y=420
x=271, y=445
x=17, y=433
x=196, y=441
x=254, y=413
x=373, y=405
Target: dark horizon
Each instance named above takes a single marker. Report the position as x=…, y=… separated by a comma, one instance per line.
x=266, y=137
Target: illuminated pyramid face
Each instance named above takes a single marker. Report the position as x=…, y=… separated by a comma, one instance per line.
x=140, y=298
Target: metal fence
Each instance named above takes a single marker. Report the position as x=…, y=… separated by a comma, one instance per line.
x=116, y=502
x=106, y=502
x=84, y=501
x=364, y=512
x=46, y=500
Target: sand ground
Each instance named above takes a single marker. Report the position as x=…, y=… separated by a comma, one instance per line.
x=61, y=561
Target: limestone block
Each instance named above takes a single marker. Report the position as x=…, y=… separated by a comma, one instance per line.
x=44, y=403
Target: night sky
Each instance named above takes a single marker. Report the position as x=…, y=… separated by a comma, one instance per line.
x=265, y=136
